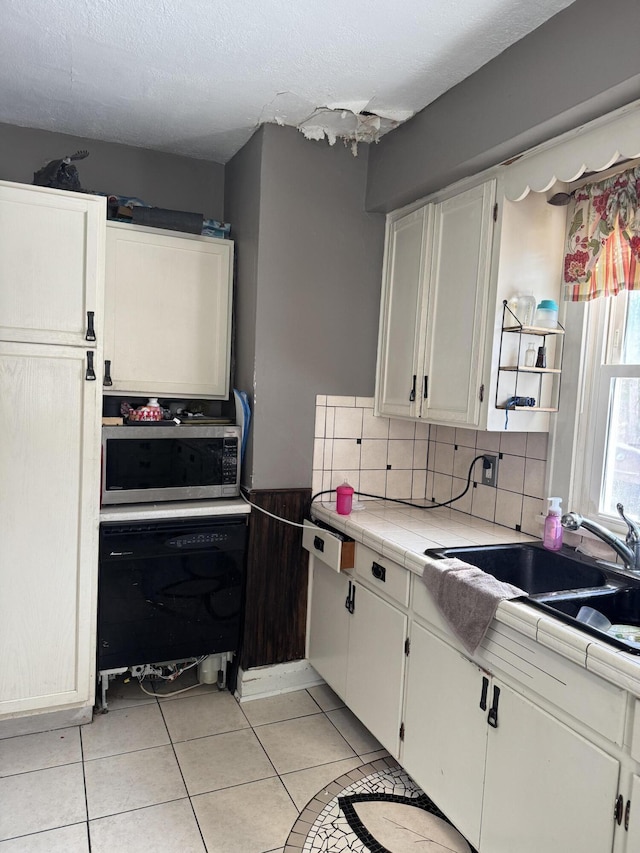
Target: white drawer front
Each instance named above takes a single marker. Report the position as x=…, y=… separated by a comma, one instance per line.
x=579, y=693
x=384, y=574
x=327, y=547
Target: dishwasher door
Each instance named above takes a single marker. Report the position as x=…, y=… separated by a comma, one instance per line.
x=170, y=590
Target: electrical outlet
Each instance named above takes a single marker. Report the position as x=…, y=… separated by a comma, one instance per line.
x=490, y=470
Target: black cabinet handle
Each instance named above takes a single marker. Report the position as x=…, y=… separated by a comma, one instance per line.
x=483, y=695
x=351, y=598
x=617, y=812
x=106, y=380
x=379, y=572
x=412, y=395
x=318, y=543
x=91, y=334
x=492, y=716
x=90, y=375
x=627, y=813
x=426, y=387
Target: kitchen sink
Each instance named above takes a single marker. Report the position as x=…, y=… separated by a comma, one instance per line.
x=560, y=583
x=530, y=567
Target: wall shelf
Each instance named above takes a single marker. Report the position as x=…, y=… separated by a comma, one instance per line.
x=546, y=391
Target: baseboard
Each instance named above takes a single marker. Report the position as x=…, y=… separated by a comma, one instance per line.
x=45, y=722
x=262, y=681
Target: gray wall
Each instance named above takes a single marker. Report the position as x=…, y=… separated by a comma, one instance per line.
x=161, y=180
x=317, y=296
x=580, y=64
x=242, y=209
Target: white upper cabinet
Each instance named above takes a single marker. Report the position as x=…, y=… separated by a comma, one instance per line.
x=448, y=267
x=51, y=261
x=167, y=313
x=434, y=309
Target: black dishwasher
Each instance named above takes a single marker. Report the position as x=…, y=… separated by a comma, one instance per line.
x=169, y=590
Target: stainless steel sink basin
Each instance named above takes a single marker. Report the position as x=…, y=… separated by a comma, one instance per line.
x=530, y=567
x=560, y=583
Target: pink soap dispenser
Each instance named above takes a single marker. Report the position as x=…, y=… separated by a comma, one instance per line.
x=552, y=539
x=344, y=499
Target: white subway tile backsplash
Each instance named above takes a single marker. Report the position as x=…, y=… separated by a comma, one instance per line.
x=419, y=485
x=446, y=434
x=488, y=442
x=340, y=401
x=321, y=416
x=400, y=454
x=442, y=485
x=394, y=458
x=373, y=427
x=537, y=445
x=514, y=443
x=399, y=484
x=401, y=429
x=483, y=503
x=347, y=423
x=346, y=454
x=420, y=449
x=443, y=458
x=466, y=437
x=318, y=454
x=329, y=421
x=373, y=453
x=532, y=508
x=364, y=402
x=534, y=477
x=508, y=509
x=373, y=482
x=511, y=473
x=462, y=459
x=422, y=431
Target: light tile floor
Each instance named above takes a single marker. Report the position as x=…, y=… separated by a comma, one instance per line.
x=196, y=773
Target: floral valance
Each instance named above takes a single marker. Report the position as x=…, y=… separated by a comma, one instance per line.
x=602, y=255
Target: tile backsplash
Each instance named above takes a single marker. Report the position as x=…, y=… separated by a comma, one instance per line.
x=392, y=458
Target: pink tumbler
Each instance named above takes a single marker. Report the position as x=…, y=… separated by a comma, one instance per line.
x=344, y=498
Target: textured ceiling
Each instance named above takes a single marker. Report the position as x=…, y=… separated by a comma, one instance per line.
x=196, y=77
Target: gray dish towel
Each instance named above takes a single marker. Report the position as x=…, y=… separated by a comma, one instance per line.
x=467, y=597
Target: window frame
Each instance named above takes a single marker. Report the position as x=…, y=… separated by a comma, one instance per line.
x=592, y=415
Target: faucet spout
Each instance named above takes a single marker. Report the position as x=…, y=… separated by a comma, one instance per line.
x=629, y=556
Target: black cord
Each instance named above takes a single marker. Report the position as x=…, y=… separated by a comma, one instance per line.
x=408, y=503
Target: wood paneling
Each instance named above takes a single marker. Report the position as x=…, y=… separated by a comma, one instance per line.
x=276, y=596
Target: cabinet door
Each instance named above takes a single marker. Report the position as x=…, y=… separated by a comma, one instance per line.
x=458, y=296
x=51, y=264
x=168, y=313
x=375, y=669
x=546, y=787
x=328, y=625
x=49, y=505
x=400, y=352
x=445, y=730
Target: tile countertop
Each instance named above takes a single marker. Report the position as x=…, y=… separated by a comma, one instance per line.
x=174, y=509
x=402, y=534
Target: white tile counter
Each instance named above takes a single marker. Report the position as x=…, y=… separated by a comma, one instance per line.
x=402, y=534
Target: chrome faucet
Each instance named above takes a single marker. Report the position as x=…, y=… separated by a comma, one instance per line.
x=629, y=550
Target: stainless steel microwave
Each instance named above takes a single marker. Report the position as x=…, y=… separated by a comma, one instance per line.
x=145, y=464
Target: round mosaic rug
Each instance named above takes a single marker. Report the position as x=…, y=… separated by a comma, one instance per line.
x=376, y=808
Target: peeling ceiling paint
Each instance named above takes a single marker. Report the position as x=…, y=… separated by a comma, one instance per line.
x=196, y=78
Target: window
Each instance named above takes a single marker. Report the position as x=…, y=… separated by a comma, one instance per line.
x=609, y=426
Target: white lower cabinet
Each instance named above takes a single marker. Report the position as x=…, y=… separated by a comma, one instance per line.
x=356, y=642
x=49, y=505
x=445, y=737
x=631, y=816
x=505, y=772
x=545, y=786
